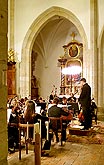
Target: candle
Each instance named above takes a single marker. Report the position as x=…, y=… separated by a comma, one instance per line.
x=37, y=128
x=47, y=127
x=34, y=133
x=27, y=131
x=40, y=128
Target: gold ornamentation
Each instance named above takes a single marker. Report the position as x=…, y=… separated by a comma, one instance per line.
x=11, y=54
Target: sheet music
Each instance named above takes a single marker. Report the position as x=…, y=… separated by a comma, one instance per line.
x=38, y=109
x=8, y=114
x=63, y=106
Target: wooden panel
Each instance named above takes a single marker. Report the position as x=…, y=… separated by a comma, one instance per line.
x=11, y=82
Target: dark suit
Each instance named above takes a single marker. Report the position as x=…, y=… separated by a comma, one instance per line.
x=85, y=101
x=55, y=111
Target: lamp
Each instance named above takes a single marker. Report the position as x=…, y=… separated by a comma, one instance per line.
x=72, y=70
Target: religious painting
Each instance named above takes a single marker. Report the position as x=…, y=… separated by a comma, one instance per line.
x=73, y=50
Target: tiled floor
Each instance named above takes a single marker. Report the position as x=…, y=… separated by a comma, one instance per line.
x=69, y=154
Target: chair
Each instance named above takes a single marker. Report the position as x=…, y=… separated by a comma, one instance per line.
x=35, y=140
x=23, y=131
x=56, y=126
x=94, y=115
x=74, y=106
x=28, y=131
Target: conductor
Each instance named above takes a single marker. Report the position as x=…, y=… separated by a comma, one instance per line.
x=85, y=101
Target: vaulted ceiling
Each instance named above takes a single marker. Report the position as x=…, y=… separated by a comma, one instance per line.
x=58, y=29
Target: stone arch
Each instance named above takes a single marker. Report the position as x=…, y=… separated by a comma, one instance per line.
x=37, y=25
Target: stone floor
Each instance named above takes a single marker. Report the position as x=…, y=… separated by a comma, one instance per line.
x=69, y=154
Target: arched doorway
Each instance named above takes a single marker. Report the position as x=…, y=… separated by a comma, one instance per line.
x=33, y=32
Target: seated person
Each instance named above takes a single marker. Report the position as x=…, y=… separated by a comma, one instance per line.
x=64, y=101
x=72, y=98
x=55, y=111
x=13, y=133
x=31, y=117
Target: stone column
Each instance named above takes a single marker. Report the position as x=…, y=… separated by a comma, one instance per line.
x=94, y=52
x=11, y=24
x=3, y=84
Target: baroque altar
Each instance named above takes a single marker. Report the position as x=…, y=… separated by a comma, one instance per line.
x=71, y=66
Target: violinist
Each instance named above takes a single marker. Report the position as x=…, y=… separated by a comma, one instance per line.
x=72, y=98
x=68, y=109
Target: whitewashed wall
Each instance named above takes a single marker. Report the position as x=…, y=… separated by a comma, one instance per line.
x=26, y=12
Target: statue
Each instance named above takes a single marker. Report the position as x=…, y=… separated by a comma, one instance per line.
x=34, y=82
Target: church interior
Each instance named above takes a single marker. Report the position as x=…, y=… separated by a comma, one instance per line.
x=48, y=46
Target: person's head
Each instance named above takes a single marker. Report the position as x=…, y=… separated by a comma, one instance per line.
x=31, y=106
x=14, y=102
x=52, y=92
x=56, y=100
x=29, y=97
x=30, y=110
x=26, y=98
x=64, y=100
x=40, y=99
x=82, y=81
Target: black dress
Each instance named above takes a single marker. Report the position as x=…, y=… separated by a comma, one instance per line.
x=13, y=133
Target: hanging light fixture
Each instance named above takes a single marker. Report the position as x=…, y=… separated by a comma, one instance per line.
x=72, y=70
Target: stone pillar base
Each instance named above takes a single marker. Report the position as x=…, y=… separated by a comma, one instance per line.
x=100, y=114
x=4, y=162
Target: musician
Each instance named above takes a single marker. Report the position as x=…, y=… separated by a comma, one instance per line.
x=67, y=108
x=72, y=98
x=13, y=133
x=51, y=97
x=64, y=101
x=85, y=101
x=32, y=117
x=55, y=111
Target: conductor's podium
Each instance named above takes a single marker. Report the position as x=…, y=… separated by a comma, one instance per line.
x=75, y=129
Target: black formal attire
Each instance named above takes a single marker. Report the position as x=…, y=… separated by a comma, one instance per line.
x=72, y=99
x=13, y=133
x=55, y=111
x=51, y=97
x=85, y=101
x=35, y=119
